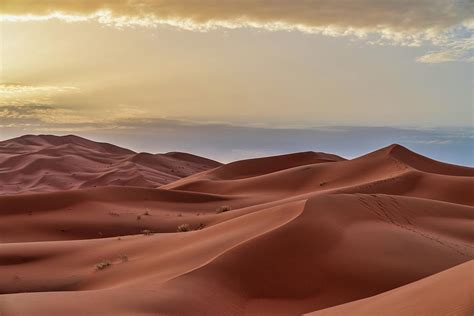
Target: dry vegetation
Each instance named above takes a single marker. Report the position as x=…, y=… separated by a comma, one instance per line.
x=222, y=209
x=103, y=265
x=183, y=228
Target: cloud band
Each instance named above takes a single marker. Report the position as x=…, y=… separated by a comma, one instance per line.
x=445, y=24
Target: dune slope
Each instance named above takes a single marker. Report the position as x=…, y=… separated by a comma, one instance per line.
x=48, y=163
x=389, y=233
x=450, y=292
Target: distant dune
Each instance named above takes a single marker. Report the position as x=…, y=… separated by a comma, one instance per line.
x=388, y=233
x=47, y=163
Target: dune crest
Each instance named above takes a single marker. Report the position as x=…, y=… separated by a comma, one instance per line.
x=46, y=163
x=304, y=233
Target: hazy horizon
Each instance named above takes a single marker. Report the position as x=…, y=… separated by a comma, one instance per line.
x=123, y=72
x=227, y=143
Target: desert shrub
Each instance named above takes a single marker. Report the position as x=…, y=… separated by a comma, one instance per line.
x=112, y=213
x=123, y=258
x=147, y=213
x=184, y=228
x=147, y=232
x=322, y=183
x=201, y=226
x=102, y=265
x=222, y=209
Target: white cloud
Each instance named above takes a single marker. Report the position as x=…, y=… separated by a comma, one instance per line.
x=457, y=50
x=446, y=24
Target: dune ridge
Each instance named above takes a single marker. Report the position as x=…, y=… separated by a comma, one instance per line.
x=47, y=163
x=387, y=233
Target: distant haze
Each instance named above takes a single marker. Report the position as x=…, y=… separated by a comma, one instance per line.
x=228, y=143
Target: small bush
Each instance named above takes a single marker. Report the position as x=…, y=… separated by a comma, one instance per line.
x=111, y=213
x=184, y=228
x=222, y=209
x=201, y=226
x=321, y=184
x=102, y=265
x=123, y=258
x=139, y=217
x=147, y=213
x=147, y=232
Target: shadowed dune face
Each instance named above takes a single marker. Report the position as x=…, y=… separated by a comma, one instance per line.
x=48, y=163
x=286, y=235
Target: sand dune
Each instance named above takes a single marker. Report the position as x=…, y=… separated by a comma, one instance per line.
x=388, y=233
x=450, y=292
x=47, y=163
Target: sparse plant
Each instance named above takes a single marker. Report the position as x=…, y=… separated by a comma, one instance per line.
x=139, y=217
x=184, y=228
x=322, y=183
x=201, y=226
x=112, y=213
x=103, y=265
x=147, y=212
x=147, y=232
x=222, y=209
x=123, y=258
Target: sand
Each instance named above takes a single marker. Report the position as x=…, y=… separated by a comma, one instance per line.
x=48, y=163
x=388, y=233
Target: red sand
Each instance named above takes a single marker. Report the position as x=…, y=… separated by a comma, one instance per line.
x=48, y=163
x=389, y=233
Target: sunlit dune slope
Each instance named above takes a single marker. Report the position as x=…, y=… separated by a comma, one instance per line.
x=388, y=233
x=47, y=163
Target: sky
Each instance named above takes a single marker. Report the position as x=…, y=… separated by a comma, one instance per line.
x=237, y=79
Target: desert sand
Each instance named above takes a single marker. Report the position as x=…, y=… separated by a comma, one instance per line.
x=47, y=163
x=89, y=228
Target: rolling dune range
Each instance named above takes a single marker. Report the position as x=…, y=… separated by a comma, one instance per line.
x=47, y=163
x=84, y=230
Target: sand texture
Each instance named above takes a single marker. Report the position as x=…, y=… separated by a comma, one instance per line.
x=95, y=229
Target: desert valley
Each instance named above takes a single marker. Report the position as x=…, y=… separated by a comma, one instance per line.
x=89, y=228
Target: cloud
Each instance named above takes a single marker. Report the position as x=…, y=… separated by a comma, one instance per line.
x=457, y=50
x=397, y=14
x=57, y=117
x=10, y=88
x=25, y=113
x=37, y=114
x=398, y=22
x=18, y=93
